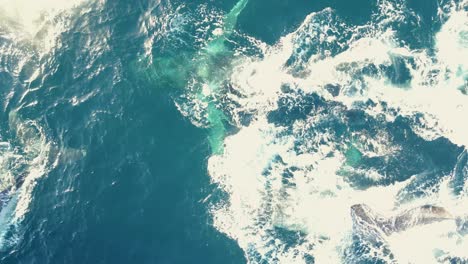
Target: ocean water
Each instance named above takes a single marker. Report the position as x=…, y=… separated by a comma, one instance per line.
x=233, y=131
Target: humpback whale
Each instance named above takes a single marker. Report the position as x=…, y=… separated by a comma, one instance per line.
x=367, y=221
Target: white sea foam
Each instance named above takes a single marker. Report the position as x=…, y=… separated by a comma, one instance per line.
x=276, y=184
x=37, y=23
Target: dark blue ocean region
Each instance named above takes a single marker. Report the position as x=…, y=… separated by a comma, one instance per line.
x=235, y=131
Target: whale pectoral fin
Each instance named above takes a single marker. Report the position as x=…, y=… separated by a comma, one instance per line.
x=367, y=221
x=423, y=215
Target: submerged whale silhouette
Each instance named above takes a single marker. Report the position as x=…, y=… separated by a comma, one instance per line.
x=367, y=221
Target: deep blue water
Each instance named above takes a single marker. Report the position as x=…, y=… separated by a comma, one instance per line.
x=126, y=172
x=136, y=195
